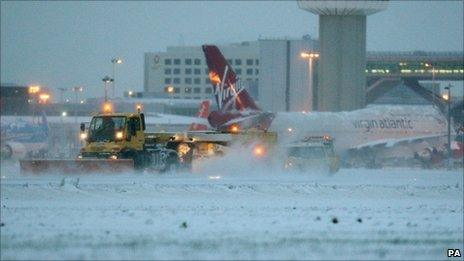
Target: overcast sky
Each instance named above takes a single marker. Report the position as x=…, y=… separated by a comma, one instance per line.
x=65, y=44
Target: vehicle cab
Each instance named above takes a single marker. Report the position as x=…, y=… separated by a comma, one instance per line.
x=111, y=135
x=313, y=152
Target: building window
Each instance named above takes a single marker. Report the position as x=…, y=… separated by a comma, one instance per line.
x=188, y=61
x=167, y=80
x=249, y=61
x=197, y=61
x=188, y=80
x=167, y=71
x=197, y=98
x=238, y=71
x=256, y=71
x=176, y=80
x=188, y=71
x=230, y=61
x=197, y=71
x=238, y=62
x=196, y=90
x=249, y=71
x=196, y=81
x=176, y=61
x=167, y=61
x=188, y=90
x=206, y=71
x=207, y=81
x=257, y=62
x=177, y=71
x=208, y=90
x=176, y=90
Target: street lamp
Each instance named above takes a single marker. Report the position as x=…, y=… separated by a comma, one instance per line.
x=115, y=61
x=106, y=81
x=170, y=90
x=33, y=90
x=310, y=56
x=76, y=91
x=433, y=80
x=447, y=98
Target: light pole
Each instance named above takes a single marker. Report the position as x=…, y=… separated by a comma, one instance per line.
x=448, y=99
x=107, y=80
x=33, y=90
x=433, y=81
x=115, y=61
x=170, y=90
x=76, y=91
x=310, y=56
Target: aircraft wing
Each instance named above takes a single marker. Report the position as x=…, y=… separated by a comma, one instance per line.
x=401, y=141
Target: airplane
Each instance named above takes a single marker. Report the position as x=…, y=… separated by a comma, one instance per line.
x=407, y=128
x=21, y=139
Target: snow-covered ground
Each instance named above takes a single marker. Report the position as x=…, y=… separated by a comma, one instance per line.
x=354, y=214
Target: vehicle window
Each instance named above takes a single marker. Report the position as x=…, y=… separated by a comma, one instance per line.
x=104, y=128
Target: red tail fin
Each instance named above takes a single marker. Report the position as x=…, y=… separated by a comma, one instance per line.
x=203, y=113
x=228, y=91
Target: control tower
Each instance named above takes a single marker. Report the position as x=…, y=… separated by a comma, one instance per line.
x=342, y=64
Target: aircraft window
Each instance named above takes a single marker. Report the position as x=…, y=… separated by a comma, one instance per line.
x=188, y=61
x=167, y=61
x=167, y=71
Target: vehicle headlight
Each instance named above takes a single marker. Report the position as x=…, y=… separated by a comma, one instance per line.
x=119, y=135
x=83, y=136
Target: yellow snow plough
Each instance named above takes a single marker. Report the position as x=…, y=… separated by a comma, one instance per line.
x=117, y=142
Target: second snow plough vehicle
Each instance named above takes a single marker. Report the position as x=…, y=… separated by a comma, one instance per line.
x=116, y=142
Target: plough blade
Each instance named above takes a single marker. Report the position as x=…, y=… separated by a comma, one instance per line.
x=75, y=166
